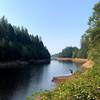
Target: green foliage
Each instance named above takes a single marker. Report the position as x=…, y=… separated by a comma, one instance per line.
x=69, y=52
x=17, y=44
x=83, y=53
x=94, y=32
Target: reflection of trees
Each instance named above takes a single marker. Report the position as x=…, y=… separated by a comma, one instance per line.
x=10, y=79
x=14, y=79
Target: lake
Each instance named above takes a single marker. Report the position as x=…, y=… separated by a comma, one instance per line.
x=17, y=83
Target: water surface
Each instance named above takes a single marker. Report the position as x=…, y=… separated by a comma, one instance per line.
x=17, y=83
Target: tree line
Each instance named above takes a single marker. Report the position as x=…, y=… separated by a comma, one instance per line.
x=69, y=52
x=17, y=44
x=90, y=41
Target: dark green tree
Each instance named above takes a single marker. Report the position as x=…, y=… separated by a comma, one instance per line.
x=17, y=44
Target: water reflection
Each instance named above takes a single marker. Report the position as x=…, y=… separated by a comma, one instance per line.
x=17, y=83
x=10, y=80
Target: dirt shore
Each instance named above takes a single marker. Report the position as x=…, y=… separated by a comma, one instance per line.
x=84, y=63
x=77, y=60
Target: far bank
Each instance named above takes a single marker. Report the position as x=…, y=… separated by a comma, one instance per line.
x=85, y=63
x=15, y=64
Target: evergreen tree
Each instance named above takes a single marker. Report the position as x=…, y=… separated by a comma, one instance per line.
x=17, y=44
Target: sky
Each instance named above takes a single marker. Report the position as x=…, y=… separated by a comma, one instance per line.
x=60, y=23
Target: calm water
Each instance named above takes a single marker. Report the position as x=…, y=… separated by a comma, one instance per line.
x=16, y=84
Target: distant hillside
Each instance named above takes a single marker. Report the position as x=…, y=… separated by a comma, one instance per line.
x=74, y=52
x=68, y=52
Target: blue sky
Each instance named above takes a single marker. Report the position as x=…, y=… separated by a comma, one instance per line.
x=60, y=23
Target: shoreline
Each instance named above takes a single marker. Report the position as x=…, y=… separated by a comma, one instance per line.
x=84, y=63
x=76, y=60
x=15, y=64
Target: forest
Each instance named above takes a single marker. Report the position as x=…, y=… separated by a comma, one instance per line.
x=86, y=85
x=17, y=44
x=69, y=52
x=74, y=52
